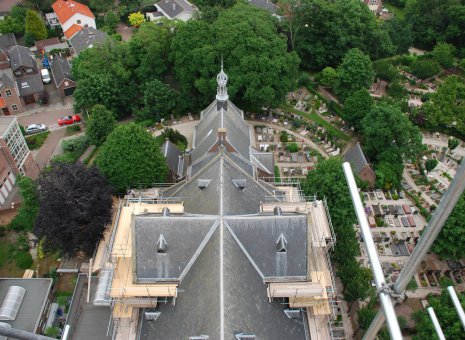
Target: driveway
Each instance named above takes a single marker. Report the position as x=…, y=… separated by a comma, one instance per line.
x=45, y=153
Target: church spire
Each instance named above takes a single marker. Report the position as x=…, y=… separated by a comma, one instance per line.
x=222, y=80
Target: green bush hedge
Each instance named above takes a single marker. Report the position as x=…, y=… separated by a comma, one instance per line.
x=24, y=260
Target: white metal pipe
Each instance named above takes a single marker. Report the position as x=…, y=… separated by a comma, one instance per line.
x=447, y=204
x=436, y=324
x=457, y=305
x=378, y=275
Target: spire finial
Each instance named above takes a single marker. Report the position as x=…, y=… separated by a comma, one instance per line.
x=221, y=61
x=222, y=80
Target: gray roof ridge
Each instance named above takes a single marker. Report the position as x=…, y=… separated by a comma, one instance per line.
x=263, y=167
x=243, y=249
x=200, y=159
x=204, y=112
x=199, y=250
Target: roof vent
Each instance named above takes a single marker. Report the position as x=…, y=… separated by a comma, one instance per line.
x=152, y=316
x=239, y=183
x=174, y=7
x=199, y=337
x=281, y=244
x=241, y=336
x=162, y=245
x=165, y=212
x=12, y=302
x=203, y=183
x=278, y=211
x=292, y=313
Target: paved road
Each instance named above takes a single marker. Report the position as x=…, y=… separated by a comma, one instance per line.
x=44, y=154
x=48, y=117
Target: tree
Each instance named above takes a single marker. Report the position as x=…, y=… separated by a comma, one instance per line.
x=354, y=73
x=260, y=69
x=446, y=314
x=425, y=68
x=291, y=12
x=328, y=77
x=387, y=130
x=447, y=106
x=35, y=26
x=100, y=124
x=357, y=106
x=452, y=143
x=385, y=70
x=159, y=101
x=443, y=53
x=328, y=29
x=142, y=164
x=136, y=19
x=400, y=32
x=365, y=317
x=15, y=21
x=75, y=206
x=27, y=212
x=111, y=22
x=292, y=147
x=101, y=6
x=450, y=242
x=174, y=136
x=328, y=180
x=430, y=164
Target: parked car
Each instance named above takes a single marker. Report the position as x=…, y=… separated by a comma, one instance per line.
x=68, y=120
x=45, y=76
x=35, y=128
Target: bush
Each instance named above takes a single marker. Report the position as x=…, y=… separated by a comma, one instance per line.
x=24, y=260
x=304, y=80
x=292, y=147
x=425, y=68
x=75, y=144
x=34, y=142
x=71, y=129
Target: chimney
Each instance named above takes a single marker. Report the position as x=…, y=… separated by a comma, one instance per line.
x=221, y=133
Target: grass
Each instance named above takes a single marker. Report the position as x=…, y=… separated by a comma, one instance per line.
x=34, y=142
x=397, y=11
x=319, y=120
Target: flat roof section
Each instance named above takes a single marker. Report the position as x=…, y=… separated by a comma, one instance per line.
x=33, y=303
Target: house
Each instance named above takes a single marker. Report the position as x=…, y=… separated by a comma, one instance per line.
x=9, y=94
x=87, y=38
x=267, y=5
x=356, y=157
x=375, y=6
x=49, y=44
x=176, y=9
x=15, y=158
x=229, y=254
x=61, y=72
x=7, y=41
x=26, y=74
x=25, y=303
x=73, y=16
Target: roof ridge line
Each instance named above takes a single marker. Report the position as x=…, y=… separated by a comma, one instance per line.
x=199, y=250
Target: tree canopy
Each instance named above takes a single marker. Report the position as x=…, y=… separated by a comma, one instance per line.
x=141, y=164
x=328, y=180
x=357, y=106
x=159, y=100
x=100, y=124
x=354, y=73
x=35, y=27
x=136, y=19
x=331, y=28
x=74, y=207
x=27, y=212
x=15, y=21
x=444, y=54
x=260, y=69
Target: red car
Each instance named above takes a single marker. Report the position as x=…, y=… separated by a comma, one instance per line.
x=68, y=120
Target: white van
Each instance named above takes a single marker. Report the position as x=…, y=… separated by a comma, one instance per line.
x=45, y=76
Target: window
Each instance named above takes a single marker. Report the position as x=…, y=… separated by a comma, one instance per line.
x=14, y=107
x=78, y=22
x=8, y=93
x=18, y=73
x=29, y=70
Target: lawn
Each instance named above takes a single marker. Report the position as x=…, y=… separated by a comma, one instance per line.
x=34, y=142
x=397, y=11
x=320, y=121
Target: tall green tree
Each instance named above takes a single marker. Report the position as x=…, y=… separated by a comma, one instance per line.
x=101, y=6
x=446, y=107
x=354, y=73
x=328, y=180
x=444, y=54
x=141, y=164
x=100, y=124
x=400, y=32
x=35, y=26
x=15, y=21
x=260, y=69
x=386, y=128
x=159, y=100
x=331, y=28
x=75, y=206
x=328, y=76
x=425, y=68
x=450, y=242
x=357, y=106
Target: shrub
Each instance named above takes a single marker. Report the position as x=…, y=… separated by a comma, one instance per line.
x=24, y=260
x=425, y=68
x=75, y=144
x=71, y=129
x=292, y=147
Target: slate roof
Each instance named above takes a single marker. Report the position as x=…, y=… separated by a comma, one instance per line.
x=6, y=79
x=356, y=157
x=41, y=44
x=30, y=85
x=61, y=70
x=263, y=160
x=265, y=4
x=172, y=156
x=87, y=37
x=21, y=56
x=33, y=304
x=173, y=8
x=7, y=41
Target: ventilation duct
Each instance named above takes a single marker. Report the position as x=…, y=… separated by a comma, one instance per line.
x=165, y=212
x=278, y=211
x=162, y=245
x=203, y=183
x=152, y=316
x=292, y=313
x=281, y=244
x=241, y=336
x=239, y=183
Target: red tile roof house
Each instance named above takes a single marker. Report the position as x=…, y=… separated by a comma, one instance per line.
x=73, y=16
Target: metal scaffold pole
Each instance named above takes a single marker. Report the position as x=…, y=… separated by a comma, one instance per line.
x=384, y=297
x=430, y=233
x=457, y=305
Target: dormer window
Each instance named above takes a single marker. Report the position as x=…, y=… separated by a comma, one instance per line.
x=78, y=22
x=8, y=93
